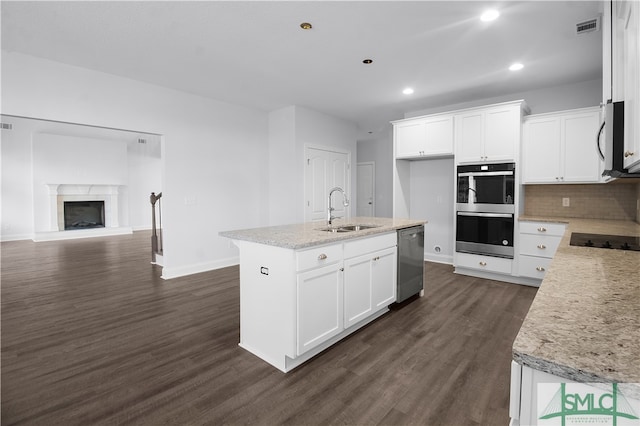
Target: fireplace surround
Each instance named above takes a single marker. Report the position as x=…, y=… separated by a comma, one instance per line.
x=59, y=194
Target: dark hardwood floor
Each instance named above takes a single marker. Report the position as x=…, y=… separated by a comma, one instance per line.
x=92, y=335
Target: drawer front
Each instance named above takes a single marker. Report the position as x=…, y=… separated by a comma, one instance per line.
x=532, y=266
x=318, y=256
x=484, y=263
x=539, y=245
x=542, y=228
x=368, y=245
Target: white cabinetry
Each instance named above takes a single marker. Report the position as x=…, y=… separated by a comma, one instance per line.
x=320, y=307
x=561, y=147
x=538, y=244
x=483, y=264
x=488, y=134
x=296, y=303
x=629, y=20
x=369, y=281
x=430, y=136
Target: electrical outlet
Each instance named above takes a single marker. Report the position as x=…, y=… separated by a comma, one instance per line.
x=566, y=202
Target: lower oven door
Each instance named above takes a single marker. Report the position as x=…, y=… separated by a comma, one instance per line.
x=485, y=233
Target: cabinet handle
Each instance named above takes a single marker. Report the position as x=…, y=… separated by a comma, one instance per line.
x=628, y=154
x=376, y=258
x=541, y=229
x=341, y=269
x=542, y=246
x=322, y=256
x=483, y=263
x=539, y=269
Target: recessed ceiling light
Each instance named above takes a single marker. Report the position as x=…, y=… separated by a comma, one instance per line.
x=367, y=61
x=306, y=26
x=408, y=91
x=489, y=15
x=516, y=67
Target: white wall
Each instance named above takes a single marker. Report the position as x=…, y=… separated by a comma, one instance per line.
x=290, y=130
x=557, y=98
x=81, y=157
x=432, y=191
x=17, y=184
x=380, y=151
x=59, y=159
x=284, y=179
x=214, y=169
x=145, y=177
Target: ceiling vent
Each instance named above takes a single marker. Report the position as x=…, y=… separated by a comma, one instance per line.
x=6, y=126
x=588, y=26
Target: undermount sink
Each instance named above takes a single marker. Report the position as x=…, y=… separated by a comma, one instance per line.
x=348, y=228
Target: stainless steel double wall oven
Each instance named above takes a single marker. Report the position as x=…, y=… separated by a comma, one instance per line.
x=485, y=209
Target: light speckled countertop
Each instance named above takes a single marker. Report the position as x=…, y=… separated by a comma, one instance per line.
x=584, y=323
x=303, y=235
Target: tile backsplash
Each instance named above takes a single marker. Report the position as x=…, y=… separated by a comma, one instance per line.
x=617, y=200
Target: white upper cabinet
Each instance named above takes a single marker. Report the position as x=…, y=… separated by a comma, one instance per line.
x=629, y=18
x=488, y=134
x=430, y=136
x=561, y=147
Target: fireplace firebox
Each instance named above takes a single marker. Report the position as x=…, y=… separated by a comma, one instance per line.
x=83, y=214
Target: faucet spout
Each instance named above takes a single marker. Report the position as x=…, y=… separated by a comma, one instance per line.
x=345, y=202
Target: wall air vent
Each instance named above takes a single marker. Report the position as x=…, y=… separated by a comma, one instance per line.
x=6, y=126
x=588, y=26
x=142, y=141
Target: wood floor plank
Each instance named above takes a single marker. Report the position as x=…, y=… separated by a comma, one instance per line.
x=92, y=335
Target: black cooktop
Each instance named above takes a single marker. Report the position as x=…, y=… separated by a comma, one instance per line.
x=619, y=242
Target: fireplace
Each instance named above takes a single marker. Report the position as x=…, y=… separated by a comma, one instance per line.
x=83, y=214
x=81, y=211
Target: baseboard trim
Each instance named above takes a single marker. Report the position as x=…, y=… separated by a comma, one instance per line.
x=16, y=237
x=447, y=260
x=80, y=233
x=196, y=268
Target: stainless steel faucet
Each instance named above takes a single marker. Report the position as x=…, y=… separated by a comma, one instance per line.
x=345, y=203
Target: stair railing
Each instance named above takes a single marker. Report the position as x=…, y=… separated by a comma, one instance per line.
x=156, y=231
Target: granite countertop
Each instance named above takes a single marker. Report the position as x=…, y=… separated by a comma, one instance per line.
x=584, y=323
x=303, y=235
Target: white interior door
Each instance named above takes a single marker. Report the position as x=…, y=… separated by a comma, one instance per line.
x=325, y=169
x=366, y=189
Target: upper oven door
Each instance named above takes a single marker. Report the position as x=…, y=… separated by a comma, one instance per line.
x=486, y=190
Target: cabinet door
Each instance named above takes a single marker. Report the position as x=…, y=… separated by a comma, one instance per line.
x=501, y=133
x=384, y=278
x=469, y=137
x=581, y=160
x=541, y=150
x=410, y=138
x=631, y=89
x=320, y=306
x=357, y=289
x=439, y=136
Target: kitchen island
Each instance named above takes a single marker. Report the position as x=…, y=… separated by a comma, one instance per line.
x=584, y=323
x=304, y=287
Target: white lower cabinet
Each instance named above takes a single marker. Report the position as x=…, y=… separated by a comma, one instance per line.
x=484, y=263
x=296, y=303
x=319, y=306
x=369, y=284
x=538, y=244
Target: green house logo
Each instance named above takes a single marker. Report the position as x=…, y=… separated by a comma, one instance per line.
x=576, y=403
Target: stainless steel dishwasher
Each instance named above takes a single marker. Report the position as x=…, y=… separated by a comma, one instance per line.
x=410, y=262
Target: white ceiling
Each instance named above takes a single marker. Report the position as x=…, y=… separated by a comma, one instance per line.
x=255, y=54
